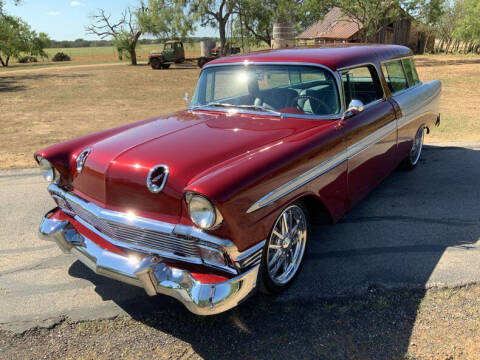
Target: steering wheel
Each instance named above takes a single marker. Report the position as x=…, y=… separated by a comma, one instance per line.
x=315, y=103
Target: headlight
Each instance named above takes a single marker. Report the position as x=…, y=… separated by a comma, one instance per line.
x=48, y=171
x=202, y=212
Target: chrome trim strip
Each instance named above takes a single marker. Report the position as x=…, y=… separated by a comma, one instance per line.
x=324, y=167
x=299, y=181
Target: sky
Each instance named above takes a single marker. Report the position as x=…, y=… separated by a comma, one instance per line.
x=66, y=19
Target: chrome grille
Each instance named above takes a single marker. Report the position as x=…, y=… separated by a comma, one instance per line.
x=137, y=236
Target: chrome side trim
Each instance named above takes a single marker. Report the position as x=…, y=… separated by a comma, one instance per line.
x=324, y=167
x=299, y=181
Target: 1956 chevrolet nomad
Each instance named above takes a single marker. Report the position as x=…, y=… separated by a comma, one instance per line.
x=209, y=204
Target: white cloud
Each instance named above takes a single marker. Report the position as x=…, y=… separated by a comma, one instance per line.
x=75, y=3
x=54, y=13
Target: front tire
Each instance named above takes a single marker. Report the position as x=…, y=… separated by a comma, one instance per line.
x=155, y=63
x=414, y=154
x=284, y=250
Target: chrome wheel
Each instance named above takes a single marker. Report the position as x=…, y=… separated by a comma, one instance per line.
x=286, y=245
x=417, y=146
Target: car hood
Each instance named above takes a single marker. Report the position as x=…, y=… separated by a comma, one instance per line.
x=189, y=143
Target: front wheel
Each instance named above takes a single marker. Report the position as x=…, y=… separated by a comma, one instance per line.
x=155, y=63
x=416, y=150
x=284, y=250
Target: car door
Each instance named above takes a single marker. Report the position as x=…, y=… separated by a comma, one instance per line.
x=370, y=133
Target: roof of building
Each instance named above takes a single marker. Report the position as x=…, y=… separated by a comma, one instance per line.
x=335, y=25
x=334, y=57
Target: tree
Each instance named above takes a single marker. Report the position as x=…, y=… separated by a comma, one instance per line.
x=16, y=38
x=215, y=13
x=125, y=31
x=371, y=14
x=165, y=18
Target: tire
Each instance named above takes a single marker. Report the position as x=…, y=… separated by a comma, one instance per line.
x=155, y=63
x=165, y=66
x=201, y=62
x=415, y=152
x=283, y=256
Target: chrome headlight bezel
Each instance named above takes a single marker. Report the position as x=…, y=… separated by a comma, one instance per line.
x=202, y=212
x=50, y=174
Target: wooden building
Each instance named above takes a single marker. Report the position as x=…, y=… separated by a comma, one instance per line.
x=337, y=27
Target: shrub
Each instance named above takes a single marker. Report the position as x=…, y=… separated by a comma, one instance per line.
x=27, y=59
x=60, y=56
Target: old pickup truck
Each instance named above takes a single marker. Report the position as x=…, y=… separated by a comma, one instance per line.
x=209, y=204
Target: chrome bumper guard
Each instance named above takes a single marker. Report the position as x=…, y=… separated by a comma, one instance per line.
x=149, y=272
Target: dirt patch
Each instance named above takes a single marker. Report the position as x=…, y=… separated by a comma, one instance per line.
x=446, y=325
x=40, y=108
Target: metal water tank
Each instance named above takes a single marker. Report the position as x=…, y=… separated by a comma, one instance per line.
x=206, y=47
x=283, y=35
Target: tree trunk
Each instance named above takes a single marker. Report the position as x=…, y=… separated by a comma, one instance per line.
x=133, y=57
x=223, y=40
x=132, y=51
x=7, y=60
x=1, y=61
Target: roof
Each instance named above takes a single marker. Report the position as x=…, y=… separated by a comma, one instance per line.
x=334, y=57
x=335, y=25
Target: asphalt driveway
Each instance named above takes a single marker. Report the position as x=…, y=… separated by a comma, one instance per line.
x=417, y=229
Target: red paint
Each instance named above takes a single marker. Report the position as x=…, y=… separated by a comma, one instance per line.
x=236, y=159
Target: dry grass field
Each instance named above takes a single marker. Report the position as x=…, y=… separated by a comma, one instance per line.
x=45, y=105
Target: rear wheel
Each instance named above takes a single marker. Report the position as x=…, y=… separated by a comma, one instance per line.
x=284, y=250
x=155, y=63
x=414, y=155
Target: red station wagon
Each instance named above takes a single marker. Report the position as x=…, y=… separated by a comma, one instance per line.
x=212, y=203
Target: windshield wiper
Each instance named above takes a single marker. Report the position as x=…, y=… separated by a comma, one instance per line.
x=254, y=107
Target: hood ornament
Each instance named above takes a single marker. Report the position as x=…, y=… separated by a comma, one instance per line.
x=157, y=178
x=81, y=158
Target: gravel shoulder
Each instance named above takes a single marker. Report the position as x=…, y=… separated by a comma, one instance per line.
x=383, y=324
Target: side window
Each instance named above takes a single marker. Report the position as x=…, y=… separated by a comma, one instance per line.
x=411, y=72
x=395, y=76
x=362, y=84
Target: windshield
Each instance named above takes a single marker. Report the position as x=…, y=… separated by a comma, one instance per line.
x=284, y=89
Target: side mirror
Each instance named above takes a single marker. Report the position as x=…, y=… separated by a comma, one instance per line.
x=355, y=107
x=186, y=97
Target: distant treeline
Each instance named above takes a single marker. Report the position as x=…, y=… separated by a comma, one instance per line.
x=91, y=43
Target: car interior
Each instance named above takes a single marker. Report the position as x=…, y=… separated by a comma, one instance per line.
x=312, y=97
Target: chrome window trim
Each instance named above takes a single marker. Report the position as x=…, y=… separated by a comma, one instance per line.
x=323, y=167
x=404, y=74
x=295, y=63
x=339, y=71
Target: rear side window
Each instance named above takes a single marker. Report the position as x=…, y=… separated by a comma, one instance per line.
x=410, y=71
x=395, y=76
x=362, y=84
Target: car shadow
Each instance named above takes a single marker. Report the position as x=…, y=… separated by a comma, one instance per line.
x=362, y=283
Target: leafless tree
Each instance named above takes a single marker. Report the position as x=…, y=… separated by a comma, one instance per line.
x=125, y=32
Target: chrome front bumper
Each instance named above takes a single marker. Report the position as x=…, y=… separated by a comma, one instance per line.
x=149, y=272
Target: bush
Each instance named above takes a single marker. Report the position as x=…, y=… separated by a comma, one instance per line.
x=27, y=59
x=60, y=56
